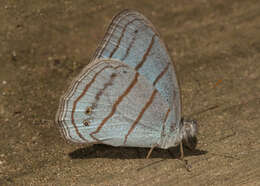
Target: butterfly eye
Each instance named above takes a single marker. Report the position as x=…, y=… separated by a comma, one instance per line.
x=124, y=71
x=88, y=111
x=86, y=123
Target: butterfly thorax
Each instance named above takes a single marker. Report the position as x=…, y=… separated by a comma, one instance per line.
x=186, y=132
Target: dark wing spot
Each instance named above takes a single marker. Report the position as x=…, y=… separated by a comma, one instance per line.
x=86, y=123
x=113, y=75
x=88, y=111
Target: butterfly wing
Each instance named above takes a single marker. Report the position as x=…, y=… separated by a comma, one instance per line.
x=112, y=103
x=132, y=39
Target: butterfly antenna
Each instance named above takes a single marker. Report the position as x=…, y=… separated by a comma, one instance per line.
x=202, y=111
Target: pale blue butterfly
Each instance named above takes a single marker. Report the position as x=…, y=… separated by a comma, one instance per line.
x=129, y=94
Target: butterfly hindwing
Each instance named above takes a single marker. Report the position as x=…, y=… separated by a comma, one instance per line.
x=112, y=103
x=132, y=39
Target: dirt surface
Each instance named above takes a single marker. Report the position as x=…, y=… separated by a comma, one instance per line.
x=216, y=48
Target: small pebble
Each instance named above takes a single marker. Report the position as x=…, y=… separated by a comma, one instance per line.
x=1, y=162
x=14, y=53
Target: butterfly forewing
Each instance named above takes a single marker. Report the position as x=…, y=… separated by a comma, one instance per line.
x=113, y=104
x=132, y=39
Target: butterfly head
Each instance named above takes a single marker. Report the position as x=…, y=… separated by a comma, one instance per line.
x=189, y=131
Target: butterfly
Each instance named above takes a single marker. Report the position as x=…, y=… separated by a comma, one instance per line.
x=128, y=95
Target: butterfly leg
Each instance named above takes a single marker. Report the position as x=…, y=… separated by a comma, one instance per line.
x=187, y=166
x=181, y=150
x=150, y=151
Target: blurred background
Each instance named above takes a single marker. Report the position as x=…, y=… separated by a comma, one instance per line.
x=215, y=46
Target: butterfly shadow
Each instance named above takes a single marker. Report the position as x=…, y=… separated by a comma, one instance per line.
x=106, y=151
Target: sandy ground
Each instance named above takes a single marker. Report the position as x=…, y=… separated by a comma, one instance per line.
x=216, y=48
